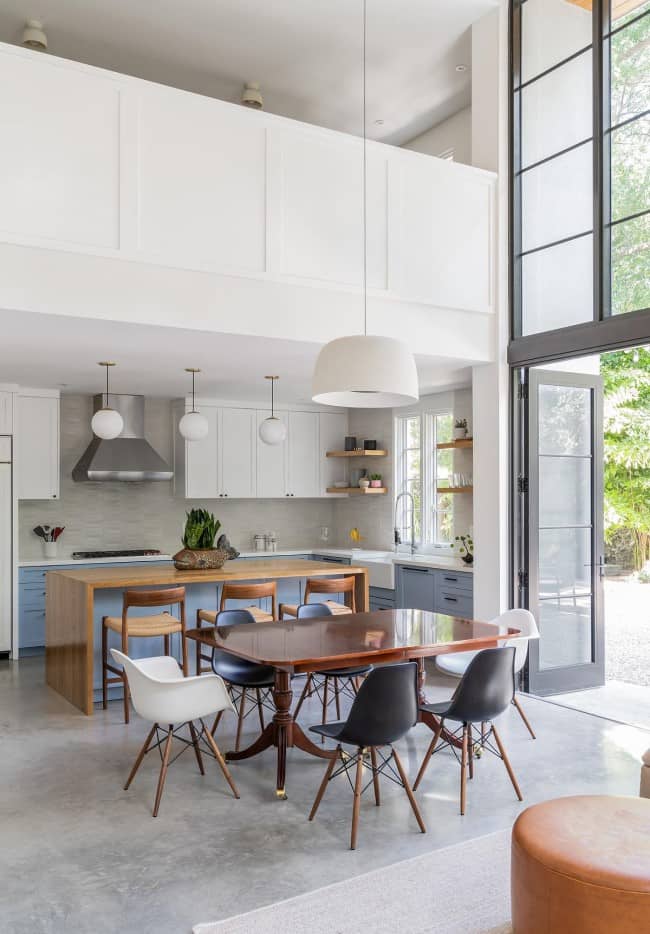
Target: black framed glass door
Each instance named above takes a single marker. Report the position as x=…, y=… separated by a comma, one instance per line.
x=565, y=529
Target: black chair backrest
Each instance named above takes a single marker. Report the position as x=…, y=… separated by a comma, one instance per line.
x=385, y=708
x=487, y=687
x=313, y=610
x=233, y=617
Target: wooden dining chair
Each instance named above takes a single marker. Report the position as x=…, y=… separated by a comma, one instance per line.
x=142, y=627
x=232, y=591
x=344, y=586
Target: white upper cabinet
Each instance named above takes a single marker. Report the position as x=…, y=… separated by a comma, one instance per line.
x=59, y=153
x=304, y=455
x=237, y=453
x=202, y=459
x=37, y=446
x=6, y=413
x=333, y=428
x=272, y=461
x=201, y=182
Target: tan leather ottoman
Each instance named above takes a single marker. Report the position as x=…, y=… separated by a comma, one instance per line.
x=581, y=865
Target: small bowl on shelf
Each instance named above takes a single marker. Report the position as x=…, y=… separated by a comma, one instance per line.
x=341, y=484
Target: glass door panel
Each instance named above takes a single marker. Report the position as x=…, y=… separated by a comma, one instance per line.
x=565, y=550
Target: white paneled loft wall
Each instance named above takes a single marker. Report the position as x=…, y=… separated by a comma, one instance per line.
x=130, y=200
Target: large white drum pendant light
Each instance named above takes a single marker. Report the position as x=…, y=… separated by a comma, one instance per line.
x=365, y=371
x=272, y=430
x=107, y=423
x=193, y=426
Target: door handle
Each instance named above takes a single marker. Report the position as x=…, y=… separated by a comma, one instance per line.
x=601, y=564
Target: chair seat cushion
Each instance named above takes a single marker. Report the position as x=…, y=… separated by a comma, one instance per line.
x=260, y=616
x=330, y=730
x=455, y=663
x=345, y=672
x=160, y=624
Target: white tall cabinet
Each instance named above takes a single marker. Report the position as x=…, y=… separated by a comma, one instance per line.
x=302, y=468
x=271, y=460
x=237, y=453
x=36, y=433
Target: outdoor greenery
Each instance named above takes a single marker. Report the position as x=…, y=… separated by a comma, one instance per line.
x=626, y=377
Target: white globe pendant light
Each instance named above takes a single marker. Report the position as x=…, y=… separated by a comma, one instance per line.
x=272, y=430
x=107, y=423
x=365, y=371
x=193, y=426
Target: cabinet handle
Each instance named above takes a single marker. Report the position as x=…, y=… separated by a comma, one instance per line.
x=417, y=570
x=452, y=579
x=451, y=599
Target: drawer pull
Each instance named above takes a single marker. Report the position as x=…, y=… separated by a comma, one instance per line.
x=417, y=570
x=451, y=599
x=451, y=579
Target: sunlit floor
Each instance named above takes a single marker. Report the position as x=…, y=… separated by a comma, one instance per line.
x=616, y=700
x=80, y=854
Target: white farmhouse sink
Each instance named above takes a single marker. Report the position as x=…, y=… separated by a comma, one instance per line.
x=381, y=570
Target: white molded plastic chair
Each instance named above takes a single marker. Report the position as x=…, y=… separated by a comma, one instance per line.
x=161, y=694
x=455, y=663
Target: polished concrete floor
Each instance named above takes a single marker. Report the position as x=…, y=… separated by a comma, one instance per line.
x=81, y=855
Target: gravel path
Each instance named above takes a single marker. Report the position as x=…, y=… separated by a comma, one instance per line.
x=627, y=631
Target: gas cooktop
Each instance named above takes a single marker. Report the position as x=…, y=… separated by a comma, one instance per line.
x=122, y=553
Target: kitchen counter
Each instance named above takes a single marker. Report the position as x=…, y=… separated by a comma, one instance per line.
x=63, y=561
x=73, y=614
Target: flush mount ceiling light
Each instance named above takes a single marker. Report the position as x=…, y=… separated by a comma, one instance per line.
x=251, y=96
x=365, y=371
x=273, y=430
x=193, y=426
x=34, y=35
x=107, y=423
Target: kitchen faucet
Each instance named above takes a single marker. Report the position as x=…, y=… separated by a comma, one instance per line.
x=397, y=535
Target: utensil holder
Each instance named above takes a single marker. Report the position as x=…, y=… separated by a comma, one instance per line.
x=49, y=549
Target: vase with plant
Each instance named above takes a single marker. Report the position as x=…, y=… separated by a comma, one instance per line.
x=375, y=480
x=199, y=534
x=464, y=545
x=460, y=429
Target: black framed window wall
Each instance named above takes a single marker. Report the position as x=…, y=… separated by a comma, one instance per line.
x=580, y=173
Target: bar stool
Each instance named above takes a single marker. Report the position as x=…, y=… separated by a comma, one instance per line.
x=142, y=627
x=319, y=585
x=243, y=591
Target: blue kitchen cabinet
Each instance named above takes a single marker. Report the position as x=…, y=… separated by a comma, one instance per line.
x=435, y=589
x=416, y=587
x=381, y=598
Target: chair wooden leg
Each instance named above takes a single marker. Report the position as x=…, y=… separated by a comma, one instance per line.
x=324, y=716
x=220, y=759
x=197, y=750
x=356, y=806
x=240, y=719
x=428, y=754
x=141, y=755
x=323, y=784
x=305, y=693
x=375, y=774
x=125, y=682
x=470, y=750
x=463, y=771
x=259, y=707
x=217, y=720
x=506, y=762
x=336, y=698
x=163, y=769
x=523, y=716
x=186, y=664
x=104, y=662
x=166, y=642
x=409, y=792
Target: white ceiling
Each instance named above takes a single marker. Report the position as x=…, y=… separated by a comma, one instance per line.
x=305, y=53
x=49, y=351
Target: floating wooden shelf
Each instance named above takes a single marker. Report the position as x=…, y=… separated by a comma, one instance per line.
x=357, y=489
x=463, y=443
x=359, y=452
x=455, y=489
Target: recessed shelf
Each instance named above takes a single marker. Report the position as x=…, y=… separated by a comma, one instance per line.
x=455, y=489
x=463, y=443
x=359, y=452
x=374, y=490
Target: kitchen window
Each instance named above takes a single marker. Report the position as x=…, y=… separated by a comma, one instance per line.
x=421, y=470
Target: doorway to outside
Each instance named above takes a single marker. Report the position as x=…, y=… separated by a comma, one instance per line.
x=585, y=445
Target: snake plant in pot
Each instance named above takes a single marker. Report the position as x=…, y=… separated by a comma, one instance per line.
x=199, y=534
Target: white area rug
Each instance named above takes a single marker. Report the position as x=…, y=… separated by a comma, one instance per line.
x=462, y=889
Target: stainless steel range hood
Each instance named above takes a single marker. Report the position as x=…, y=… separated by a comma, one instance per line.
x=129, y=457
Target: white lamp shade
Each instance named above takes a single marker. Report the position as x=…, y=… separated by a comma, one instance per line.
x=365, y=372
x=107, y=424
x=273, y=430
x=193, y=426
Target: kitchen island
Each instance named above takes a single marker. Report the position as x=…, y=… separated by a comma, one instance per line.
x=77, y=600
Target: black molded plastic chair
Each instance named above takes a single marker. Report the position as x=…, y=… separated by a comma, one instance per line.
x=344, y=679
x=241, y=675
x=485, y=691
x=383, y=711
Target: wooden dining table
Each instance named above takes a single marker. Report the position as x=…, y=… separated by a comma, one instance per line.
x=295, y=647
